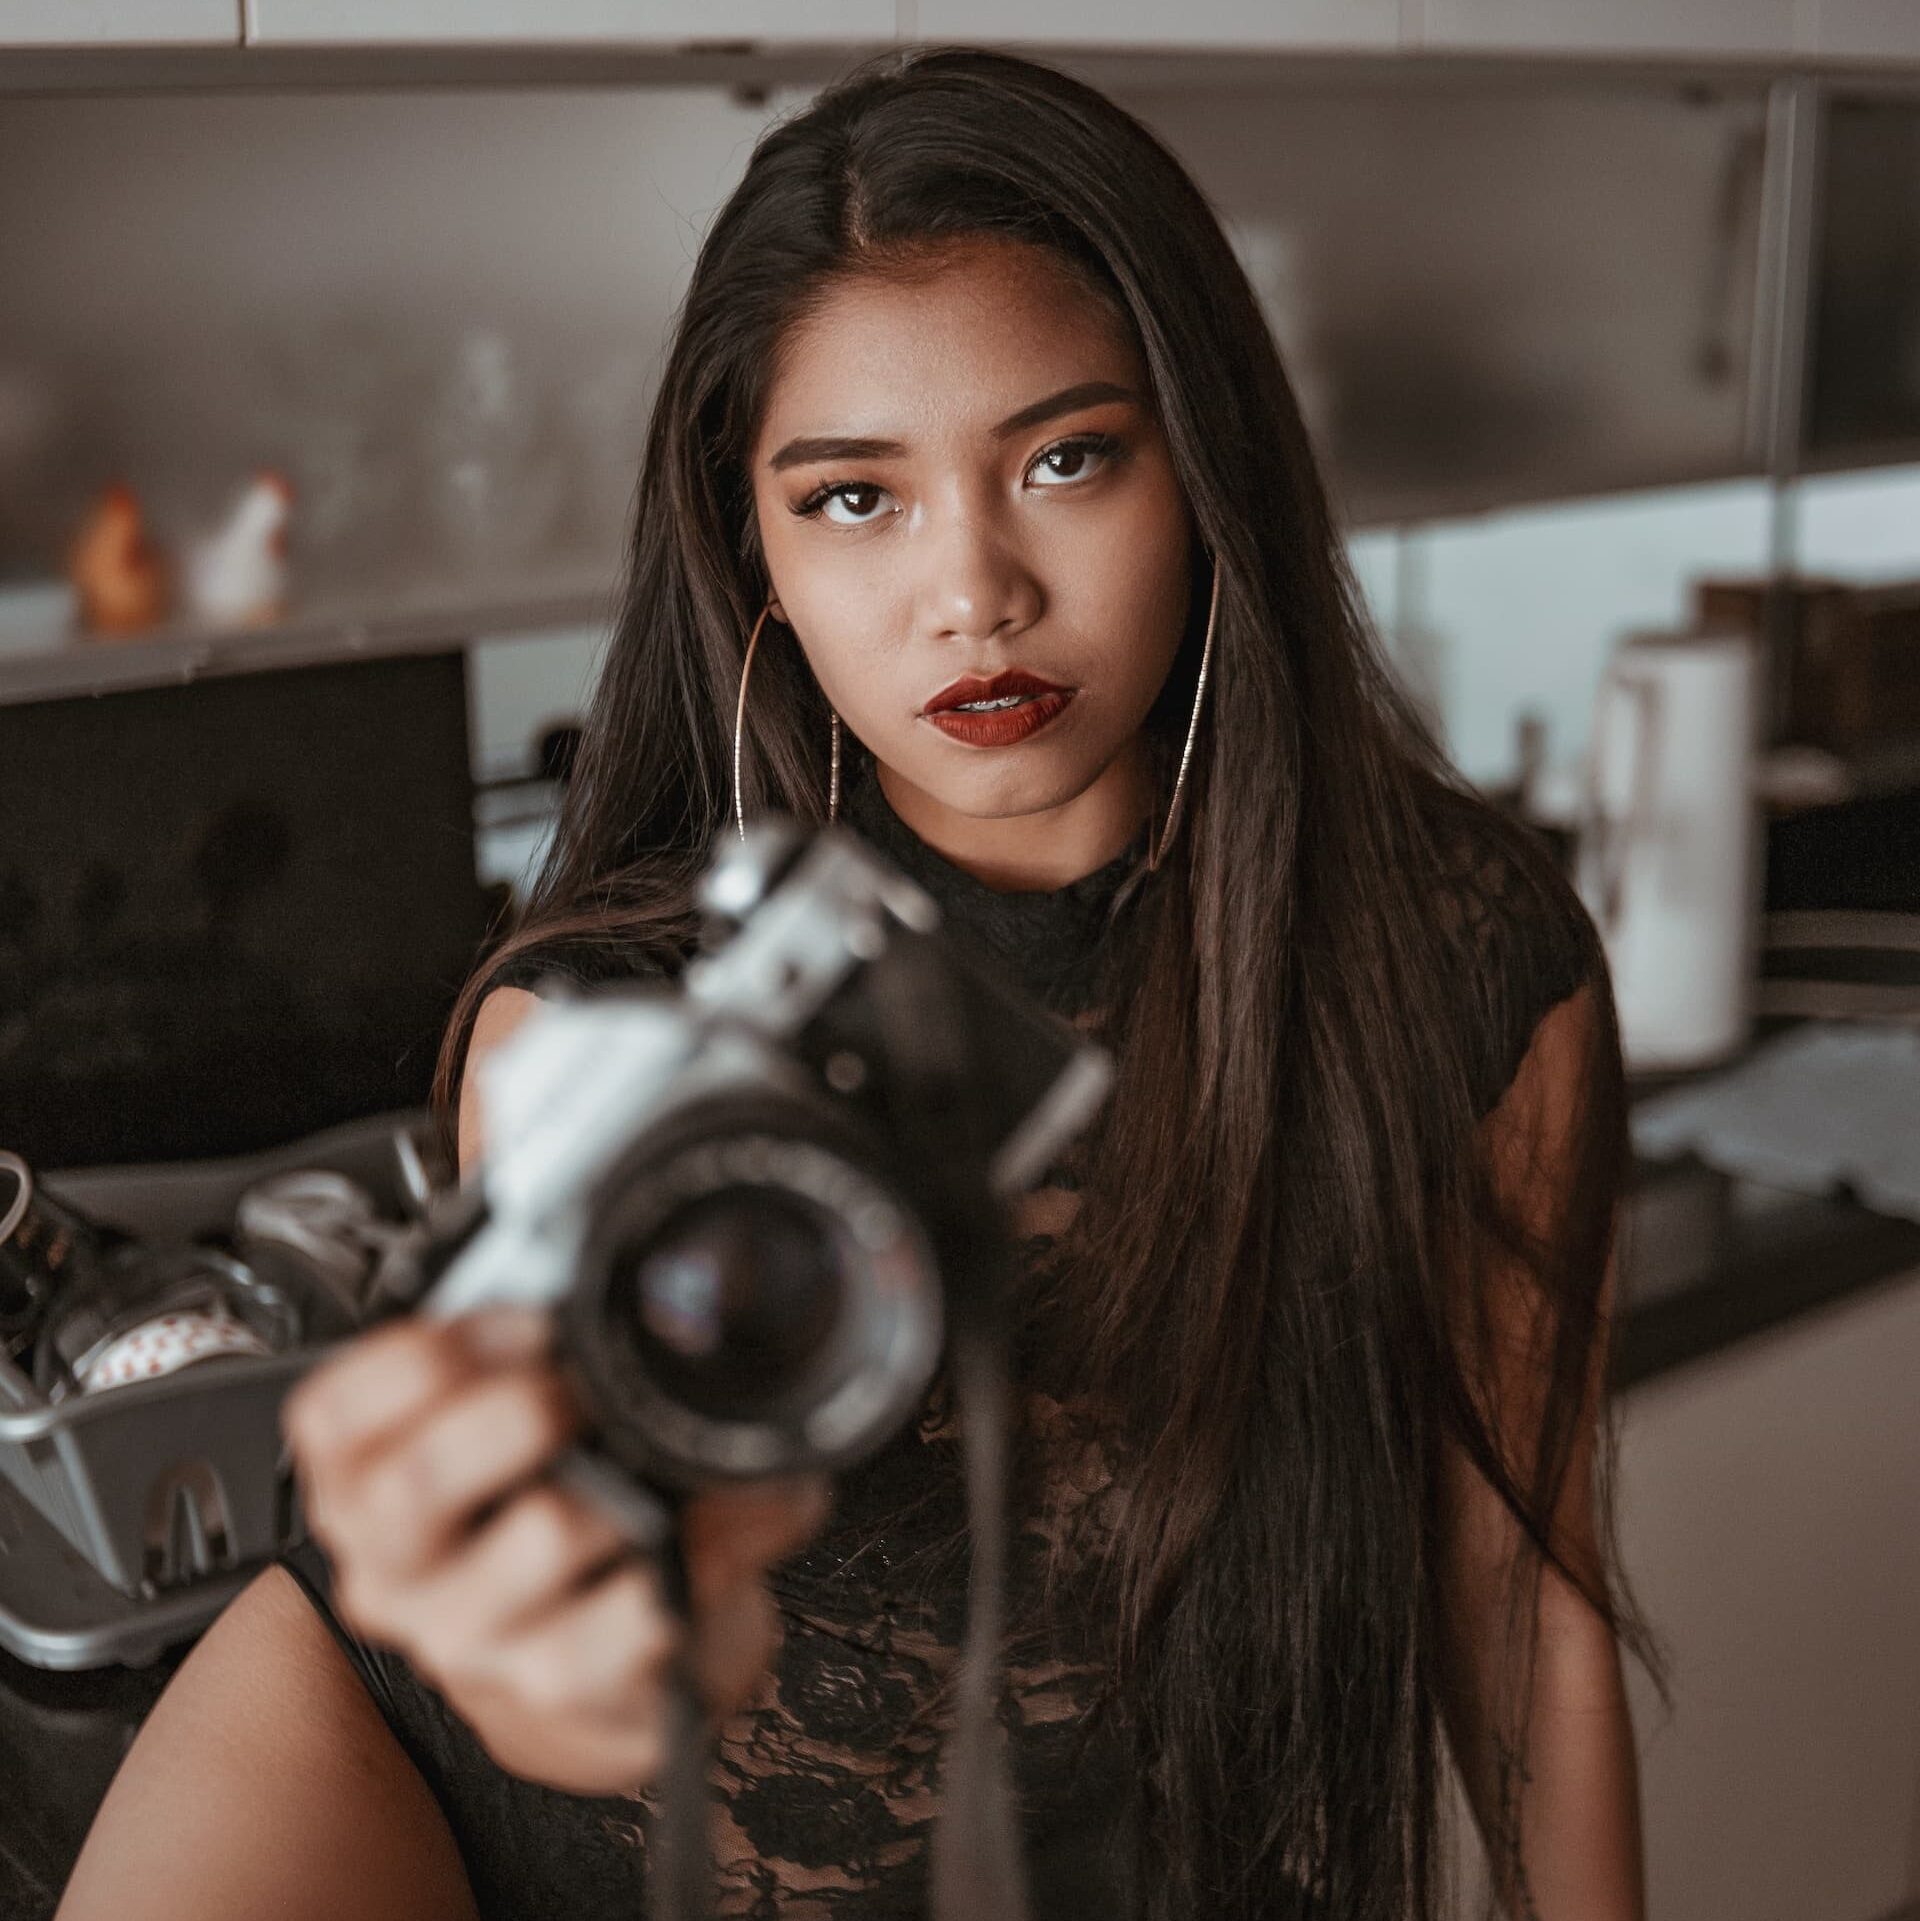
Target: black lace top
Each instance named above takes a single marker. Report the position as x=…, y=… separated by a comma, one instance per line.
x=826, y=1785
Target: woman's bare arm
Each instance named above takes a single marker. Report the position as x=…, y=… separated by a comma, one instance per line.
x=499, y=1014
x=265, y=1782
x=1557, y=1800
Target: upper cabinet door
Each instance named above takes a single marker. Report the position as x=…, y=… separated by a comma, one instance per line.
x=1868, y=29
x=119, y=23
x=637, y=23
x=1363, y=24
x=1744, y=29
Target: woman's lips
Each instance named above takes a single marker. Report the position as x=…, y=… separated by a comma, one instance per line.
x=1001, y=726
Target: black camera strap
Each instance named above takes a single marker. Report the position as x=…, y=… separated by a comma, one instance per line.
x=977, y=1867
x=942, y=1124
x=680, y=1875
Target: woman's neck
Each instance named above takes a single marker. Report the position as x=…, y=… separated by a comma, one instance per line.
x=1037, y=852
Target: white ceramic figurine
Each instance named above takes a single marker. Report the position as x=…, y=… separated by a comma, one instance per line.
x=237, y=575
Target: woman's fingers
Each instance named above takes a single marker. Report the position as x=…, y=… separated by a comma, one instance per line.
x=422, y=1448
x=738, y=1636
x=542, y=1544
x=601, y=1653
x=403, y=1438
x=383, y=1379
x=526, y=1572
x=729, y=1533
x=577, y=1699
x=401, y=1514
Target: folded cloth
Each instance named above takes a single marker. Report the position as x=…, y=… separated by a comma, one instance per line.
x=1827, y=1104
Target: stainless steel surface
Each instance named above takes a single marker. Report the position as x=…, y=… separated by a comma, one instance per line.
x=1494, y=283
x=1494, y=289
x=1786, y=248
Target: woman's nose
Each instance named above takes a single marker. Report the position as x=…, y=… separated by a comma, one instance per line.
x=977, y=583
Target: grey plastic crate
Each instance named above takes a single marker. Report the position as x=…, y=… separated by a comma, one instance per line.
x=159, y=1482
x=168, y=1493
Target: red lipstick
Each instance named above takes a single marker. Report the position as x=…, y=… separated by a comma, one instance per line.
x=1033, y=702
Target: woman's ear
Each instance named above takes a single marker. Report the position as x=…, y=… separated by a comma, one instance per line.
x=779, y=613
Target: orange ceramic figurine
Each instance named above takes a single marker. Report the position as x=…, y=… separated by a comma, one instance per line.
x=119, y=574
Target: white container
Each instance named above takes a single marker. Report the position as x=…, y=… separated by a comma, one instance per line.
x=36, y=615
x=1669, y=851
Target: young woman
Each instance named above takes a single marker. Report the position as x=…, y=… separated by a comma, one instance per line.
x=968, y=384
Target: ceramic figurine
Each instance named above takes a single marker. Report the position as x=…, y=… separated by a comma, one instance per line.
x=237, y=575
x=118, y=573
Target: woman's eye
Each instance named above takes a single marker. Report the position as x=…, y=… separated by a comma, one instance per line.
x=859, y=503
x=1069, y=460
x=857, y=498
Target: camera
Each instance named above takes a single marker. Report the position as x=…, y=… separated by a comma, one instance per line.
x=757, y=1199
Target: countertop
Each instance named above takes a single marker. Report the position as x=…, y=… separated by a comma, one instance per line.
x=1708, y=1260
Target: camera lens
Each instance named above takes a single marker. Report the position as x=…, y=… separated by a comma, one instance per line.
x=731, y=1300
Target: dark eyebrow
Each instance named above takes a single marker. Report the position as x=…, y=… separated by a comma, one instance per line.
x=1088, y=393
x=798, y=453
x=1069, y=400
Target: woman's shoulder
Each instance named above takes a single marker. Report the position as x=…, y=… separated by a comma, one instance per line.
x=1513, y=932
x=577, y=962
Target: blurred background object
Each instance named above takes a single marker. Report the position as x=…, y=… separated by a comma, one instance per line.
x=121, y=578
x=212, y=937
x=1843, y=657
x=497, y=473
x=236, y=574
x=1666, y=858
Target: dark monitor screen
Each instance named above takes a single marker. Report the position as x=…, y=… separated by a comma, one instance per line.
x=231, y=911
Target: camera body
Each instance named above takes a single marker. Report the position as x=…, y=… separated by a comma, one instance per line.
x=754, y=1200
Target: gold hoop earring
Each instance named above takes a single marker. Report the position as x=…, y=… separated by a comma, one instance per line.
x=739, y=724
x=1154, y=854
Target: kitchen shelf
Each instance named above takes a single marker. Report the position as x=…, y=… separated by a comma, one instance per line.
x=756, y=69
x=417, y=620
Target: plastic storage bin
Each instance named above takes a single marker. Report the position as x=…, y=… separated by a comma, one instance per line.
x=129, y=1518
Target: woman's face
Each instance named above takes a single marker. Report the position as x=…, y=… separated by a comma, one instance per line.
x=962, y=473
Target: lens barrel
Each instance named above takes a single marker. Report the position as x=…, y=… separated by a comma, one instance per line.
x=753, y=1295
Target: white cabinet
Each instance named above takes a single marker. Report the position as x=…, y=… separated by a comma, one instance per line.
x=1867, y=29
x=119, y=23
x=613, y=23
x=1741, y=28
x=1769, y=1505
x=1371, y=25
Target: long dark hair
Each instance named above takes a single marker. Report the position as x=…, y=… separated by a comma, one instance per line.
x=1272, y=1270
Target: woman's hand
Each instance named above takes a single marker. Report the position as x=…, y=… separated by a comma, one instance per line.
x=419, y=1448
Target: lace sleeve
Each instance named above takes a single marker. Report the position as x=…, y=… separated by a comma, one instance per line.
x=1522, y=938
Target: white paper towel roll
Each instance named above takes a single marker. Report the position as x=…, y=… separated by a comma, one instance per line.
x=1668, y=861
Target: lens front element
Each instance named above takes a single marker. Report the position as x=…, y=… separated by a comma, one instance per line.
x=733, y=1299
